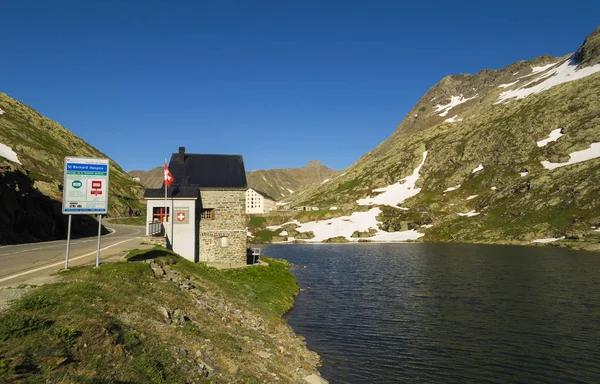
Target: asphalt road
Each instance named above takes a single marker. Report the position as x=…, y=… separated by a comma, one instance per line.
x=25, y=262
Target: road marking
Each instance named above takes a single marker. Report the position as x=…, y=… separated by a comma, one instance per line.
x=62, y=262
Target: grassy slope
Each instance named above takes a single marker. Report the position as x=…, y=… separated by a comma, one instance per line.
x=41, y=145
x=104, y=325
x=546, y=203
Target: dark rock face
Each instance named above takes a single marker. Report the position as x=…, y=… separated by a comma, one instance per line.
x=589, y=53
x=27, y=215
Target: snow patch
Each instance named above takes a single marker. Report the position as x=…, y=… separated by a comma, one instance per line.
x=324, y=181
x=477, y=169
x=283, y=233
x=281, y=203
x=597, y=230
x=549, y=240
x=290, y=190
x=454, y=101
x=8, y=153
x=359, y=221
x=523, y=174
x=564, y=73
x=542, y=68
x=333, y=208
x=554, y=135
x=2, y=112
x=471, y=197
x=508, y=85
x=427, y=225
x=494, y=188
x=452, y=188
x=469, y=214
x=576, y=157
x=264, y=178
x=453, y=119
x=395, y=194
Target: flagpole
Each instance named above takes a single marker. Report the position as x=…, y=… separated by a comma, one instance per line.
x=164, y=225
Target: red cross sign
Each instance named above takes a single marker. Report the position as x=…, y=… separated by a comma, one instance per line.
x=180, y=216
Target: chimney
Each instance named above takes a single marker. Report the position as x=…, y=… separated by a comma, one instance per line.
x=181, y=155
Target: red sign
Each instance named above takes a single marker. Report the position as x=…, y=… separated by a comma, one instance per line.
x=96, y=184
x=180, y=216
x=96, y=192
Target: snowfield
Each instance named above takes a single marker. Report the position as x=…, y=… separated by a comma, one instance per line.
x=359, y=221
x=564, y=73
x=454, y=101
x=8, y=153
x=554, y=135
x=576, y=157
x=549, y=240
x=395, y=194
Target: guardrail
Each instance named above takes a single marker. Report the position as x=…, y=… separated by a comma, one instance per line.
x=154, y=228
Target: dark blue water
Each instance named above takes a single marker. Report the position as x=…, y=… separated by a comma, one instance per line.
x=448, y=313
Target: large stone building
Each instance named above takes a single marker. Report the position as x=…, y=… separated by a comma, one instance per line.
x=208, y=199
x=259, y=202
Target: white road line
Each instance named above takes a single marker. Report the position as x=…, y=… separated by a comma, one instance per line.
x=61, y=262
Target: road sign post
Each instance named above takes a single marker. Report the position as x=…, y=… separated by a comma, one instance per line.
x=85, y=192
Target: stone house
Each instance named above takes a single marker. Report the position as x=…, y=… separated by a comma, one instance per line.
x=208, y=198
x=259, y=202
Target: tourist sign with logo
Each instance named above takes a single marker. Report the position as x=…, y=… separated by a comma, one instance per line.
x=85, y=184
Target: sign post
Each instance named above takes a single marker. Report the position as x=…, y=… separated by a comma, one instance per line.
x=85, y=192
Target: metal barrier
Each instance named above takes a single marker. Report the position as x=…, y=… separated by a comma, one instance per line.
x=154, y=228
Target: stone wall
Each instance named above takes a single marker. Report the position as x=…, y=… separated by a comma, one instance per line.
x=223, y=240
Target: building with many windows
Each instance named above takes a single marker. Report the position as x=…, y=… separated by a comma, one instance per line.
x=259, y=202
x=208, y=201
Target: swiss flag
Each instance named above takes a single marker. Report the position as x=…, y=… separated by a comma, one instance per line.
x=168, y=176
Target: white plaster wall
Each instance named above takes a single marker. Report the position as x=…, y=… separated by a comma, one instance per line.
x=181, y=238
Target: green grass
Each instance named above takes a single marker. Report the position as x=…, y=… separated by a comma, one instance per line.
x=103, y=325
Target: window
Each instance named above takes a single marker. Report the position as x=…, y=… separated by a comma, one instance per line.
x=207, y=214
x=161, y=214
x=223, y=241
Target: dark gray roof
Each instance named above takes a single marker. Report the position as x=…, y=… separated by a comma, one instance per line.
x=174, y=191
x=209, y=171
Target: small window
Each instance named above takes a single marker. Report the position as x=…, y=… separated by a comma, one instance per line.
x=207, y=214
x=160, y=214
x=223, y=241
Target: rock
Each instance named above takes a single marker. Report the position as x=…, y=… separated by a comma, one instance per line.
x=314, y=379
x=165, y=313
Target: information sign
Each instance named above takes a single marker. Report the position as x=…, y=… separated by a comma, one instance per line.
x=85, y=186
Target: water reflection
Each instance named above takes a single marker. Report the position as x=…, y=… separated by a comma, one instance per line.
x=406, y=313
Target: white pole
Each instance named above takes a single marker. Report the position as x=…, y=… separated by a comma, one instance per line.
x=68, y=243
x=99, y=233
x=165, y=216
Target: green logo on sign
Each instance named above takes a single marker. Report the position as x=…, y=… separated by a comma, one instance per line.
x=76, y=184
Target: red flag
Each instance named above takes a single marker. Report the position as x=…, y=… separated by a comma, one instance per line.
x=168, y=176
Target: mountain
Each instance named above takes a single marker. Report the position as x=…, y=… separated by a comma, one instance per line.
x=152, y=178
x=277, y=183
x=509, y=155
x=32, y=152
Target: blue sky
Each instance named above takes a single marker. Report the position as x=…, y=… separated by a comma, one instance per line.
x=280, y=82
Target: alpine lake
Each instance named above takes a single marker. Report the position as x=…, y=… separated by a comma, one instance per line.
x=447, y=313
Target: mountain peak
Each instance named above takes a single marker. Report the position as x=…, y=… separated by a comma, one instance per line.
x=589, y=52
x=315, y=163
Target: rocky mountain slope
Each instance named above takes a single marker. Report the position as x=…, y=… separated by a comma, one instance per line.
x=32, y=151
x=277, y=183
x=152, y=178
x=509, y=155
